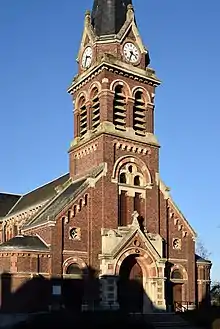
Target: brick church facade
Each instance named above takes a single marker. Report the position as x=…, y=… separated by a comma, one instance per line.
x=112, y=212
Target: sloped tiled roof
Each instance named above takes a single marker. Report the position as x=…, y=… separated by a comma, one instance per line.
x=200, y=259
x=7, y=201
x=43, y=193
x=58, y=203
x=25, y=243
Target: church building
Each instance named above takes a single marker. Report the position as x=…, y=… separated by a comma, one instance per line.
x=111, y=215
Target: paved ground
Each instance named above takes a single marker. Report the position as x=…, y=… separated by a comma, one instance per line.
x=94, y=320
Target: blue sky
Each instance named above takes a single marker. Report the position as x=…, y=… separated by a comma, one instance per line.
x=39, y=44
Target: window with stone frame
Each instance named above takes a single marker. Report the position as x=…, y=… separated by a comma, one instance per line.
x=130, y=174
x=74, y=270
x=176, y=275
x=130, y=177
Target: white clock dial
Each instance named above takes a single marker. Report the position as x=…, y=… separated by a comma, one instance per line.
x=87, y=57
x=131, y=52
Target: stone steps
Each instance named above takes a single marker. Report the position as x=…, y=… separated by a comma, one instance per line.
x=168, y=320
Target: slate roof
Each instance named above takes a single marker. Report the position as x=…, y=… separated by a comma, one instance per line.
x=68, y=194
x=7, y=201
x=200, y=259
x=43, y=193
x=108, y=16
x=49, y=212
x=25, y=243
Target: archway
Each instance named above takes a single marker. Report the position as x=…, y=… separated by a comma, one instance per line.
x=130, y=285
x=73, y=287
x=177, y=288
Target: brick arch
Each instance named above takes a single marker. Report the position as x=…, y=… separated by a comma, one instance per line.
x=126, y=86
x=181, y=269
x=145, y=92
x=79, y=97
x=94, y=85
x=145, y=260
x=135, y=160
x=74, y=260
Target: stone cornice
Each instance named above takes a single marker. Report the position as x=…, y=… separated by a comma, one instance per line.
x=110, y=63
x=108, y=128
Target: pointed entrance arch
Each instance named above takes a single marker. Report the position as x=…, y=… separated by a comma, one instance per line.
x=130, y=285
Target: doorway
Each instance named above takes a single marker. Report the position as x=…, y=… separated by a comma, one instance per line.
x=177, y=295
x=130, y=286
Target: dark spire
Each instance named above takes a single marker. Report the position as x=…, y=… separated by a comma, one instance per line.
x=108, y=16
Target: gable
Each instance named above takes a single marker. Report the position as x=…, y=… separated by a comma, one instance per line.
x=116, y=241
x=174, y=211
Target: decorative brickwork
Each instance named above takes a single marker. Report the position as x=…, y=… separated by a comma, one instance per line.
x=113, y=215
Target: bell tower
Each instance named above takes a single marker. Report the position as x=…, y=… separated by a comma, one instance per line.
x=113, y=92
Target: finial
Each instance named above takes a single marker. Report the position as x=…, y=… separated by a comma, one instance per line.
x=135, y=221
x=87, y=12
x=130, y=12
x=87, y=17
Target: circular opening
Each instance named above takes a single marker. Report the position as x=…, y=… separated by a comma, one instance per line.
x=130, y=169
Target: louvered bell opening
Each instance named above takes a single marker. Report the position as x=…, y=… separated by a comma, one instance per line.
x=119, y=109
x=139, y=122
x=95, y=111
x=83, y=120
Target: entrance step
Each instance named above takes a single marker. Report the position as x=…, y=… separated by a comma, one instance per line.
x=168, y=321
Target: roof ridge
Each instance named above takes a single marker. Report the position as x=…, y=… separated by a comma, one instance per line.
x=13, y=194
x=51, y=181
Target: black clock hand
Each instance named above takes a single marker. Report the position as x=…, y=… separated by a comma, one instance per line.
x=86, y=59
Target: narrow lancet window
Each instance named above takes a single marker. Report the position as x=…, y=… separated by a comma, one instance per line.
x=119, y=106
x=139, y=120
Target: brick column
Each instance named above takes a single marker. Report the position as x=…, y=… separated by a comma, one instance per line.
x=130, y=114
x=106, y=99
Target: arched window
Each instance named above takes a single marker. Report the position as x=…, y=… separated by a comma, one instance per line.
x=129, y=174
x=176, y=275
x=86, y=199
x=137, y=181
x=80, y=204
x=74, y=210
x=119, y=106
x=122, y=213
x=74, y=270
x=95, y=109
x=82, y=117
x=122, y=178
x=139, y=120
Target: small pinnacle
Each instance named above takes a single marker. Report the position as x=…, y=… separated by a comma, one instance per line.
x=87, y=13
x=130, y=7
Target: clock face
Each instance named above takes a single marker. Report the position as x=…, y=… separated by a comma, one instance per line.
x=87, y=57
x=131, y=52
